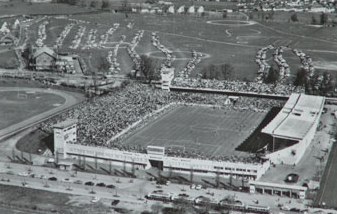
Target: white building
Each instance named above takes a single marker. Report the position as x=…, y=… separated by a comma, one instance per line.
x=4, y=28
x=191, y=10
x=200, y=10
x=64, y=133
x=171, y=9
x=181, y=9
x=167, y=75
x=294, y=128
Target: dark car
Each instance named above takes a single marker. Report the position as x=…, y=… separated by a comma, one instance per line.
x=114, y=202
x=292, y=178
x=52, y=179
x=78, y=182
x=110, y=186
x=89, y=183
x=100, y=184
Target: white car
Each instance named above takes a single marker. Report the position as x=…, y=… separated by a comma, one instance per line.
x=95, y=199
x=24, y=174
x=198, y=187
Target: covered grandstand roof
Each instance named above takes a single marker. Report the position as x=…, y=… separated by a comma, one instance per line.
x=296, y=117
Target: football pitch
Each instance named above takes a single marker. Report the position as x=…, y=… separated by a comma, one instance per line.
x=211, y=131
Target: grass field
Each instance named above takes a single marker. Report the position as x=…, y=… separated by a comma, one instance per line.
x=39, y=201
x=16, y=106
x=203, y=129
x=8, y=59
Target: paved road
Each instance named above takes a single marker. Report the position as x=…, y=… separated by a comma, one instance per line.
x=126, y=190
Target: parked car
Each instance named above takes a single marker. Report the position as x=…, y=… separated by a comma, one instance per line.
x=52, y=179
x=115, y=202
x=89, y=183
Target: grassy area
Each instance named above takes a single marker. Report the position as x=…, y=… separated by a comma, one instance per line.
x=8, y=59
x=32, y=200
x=225, y=44
x=17, y=105
x=35, y=141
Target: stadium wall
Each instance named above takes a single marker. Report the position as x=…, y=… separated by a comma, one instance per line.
x=285, y=156
x=251, y=171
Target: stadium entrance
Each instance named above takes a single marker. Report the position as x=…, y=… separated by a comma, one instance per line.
x=157, y=164
x=156, y=156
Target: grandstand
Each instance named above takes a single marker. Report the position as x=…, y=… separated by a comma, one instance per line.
x=293, y=128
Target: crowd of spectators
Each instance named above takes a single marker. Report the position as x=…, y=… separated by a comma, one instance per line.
x=191, y=64
x=168, y=53
x=238, y=86
x=104, y=117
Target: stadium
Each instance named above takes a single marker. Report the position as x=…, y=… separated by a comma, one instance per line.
x=201, y=137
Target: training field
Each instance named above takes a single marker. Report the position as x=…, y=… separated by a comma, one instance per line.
x=21, y=107
x=211, y=131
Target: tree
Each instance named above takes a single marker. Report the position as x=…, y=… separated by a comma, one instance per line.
x=273, y=76
x=227, y=71
x=148, y=67
x=323, y=18
x=313, y=20
x=294, y=17
x=301, y=77
x=105, y=5
x=103, y=64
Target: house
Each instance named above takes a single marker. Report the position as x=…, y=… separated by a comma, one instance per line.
x=4, y=28
x=181, y=9
x=201, y=10
x=170, y=9
x=44, y=58
x=191, y=10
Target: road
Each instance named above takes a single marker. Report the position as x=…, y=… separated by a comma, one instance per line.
x=128, y=190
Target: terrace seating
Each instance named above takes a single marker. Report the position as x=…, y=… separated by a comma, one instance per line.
x=102, y=118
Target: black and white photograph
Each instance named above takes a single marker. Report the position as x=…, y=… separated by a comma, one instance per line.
x=168, y=106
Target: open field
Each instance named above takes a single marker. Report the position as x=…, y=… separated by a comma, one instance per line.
x=208, y=130
x=19, y=105
x=8, y=59
x=224, y=41
x=38, y=201
x=22, y=107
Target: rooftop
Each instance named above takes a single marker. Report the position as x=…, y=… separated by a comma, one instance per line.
x=296, y=117
x=65, y=124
